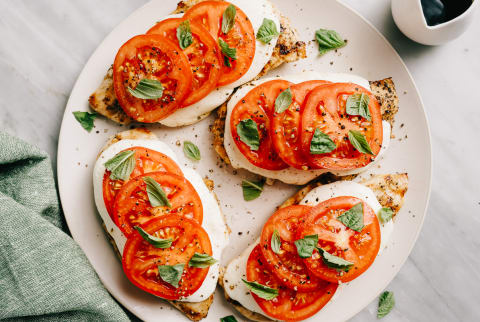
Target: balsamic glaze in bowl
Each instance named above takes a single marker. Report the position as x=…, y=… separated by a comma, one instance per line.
x=440, y=11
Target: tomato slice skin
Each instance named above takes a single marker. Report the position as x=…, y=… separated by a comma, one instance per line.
x=140, y=259
x=287, y=266
x=325, y=109
x=241, y=36
x=153, y=57
x=258, y=105
x=132, y=207
x=289, y=305
x=146, y=160
x=361, y=248
x=286, y=126
x=203, y=54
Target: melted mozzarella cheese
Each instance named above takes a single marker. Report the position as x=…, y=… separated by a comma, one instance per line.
x=256, y=11
x=213, y=222
x=236, y=269
x=291, y=175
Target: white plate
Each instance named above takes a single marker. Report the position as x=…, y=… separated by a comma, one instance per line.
x=367, y=54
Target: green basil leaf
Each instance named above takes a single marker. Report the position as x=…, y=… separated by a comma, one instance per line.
x=385, y=214
x=248, y=132
x=226, y=61
x=306, y=245
x=201, y=260
x=386, y=302
x=267, y=31
x=226, y=50
x=184, y=35
x=359, y=142
x=228, y=18
x=252, y=189
x=153, y=240
x=276, y=242
x=85, y=119
x=171, y=274
x=147, y=89
x=283, y=101
x=333, y=261
x=191, y=151
x=321, y=143
x=353, y=218
x=357, y=104
x=229, y=318
x=121, y=165
x=156, y=195
x=328, y=40
x=262, y=291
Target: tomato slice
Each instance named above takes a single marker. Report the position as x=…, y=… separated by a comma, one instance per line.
x=325, y=109
x=203, y=54
x=146, y=160
x=285, y=129
x=241, y=36
x=360, y=248
x=258, y=105
x=153, y=57
x=141, y=260
x=289, y=305
x=287, y=266
x=132, y=206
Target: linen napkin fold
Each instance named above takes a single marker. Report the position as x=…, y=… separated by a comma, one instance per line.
x=44, y=275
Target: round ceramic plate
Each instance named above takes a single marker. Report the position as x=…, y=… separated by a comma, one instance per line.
x=367, y=54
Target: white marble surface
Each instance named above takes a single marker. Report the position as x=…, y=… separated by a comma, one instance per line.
x=45, y=43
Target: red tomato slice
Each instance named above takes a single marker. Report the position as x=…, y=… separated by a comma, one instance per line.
x=146, y=160
x=289, y=305
x=285, y=129
x=141, y=260
x=153, y=57
x=132, y=206
x=325, y=109
x=360, y=248
x=258, y=105
x=287, y=266
x=241, y=36
x=203, y=54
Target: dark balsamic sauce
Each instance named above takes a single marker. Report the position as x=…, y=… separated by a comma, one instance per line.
x=440, y=11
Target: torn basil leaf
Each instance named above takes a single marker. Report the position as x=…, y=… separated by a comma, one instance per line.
x=228, y=18
x=386, y=302
x=147, y=89
x=276, y=242
x=248, y=132
x=359, y=142
x=171, y=274
x=328, y=40
x=333, y=261
x=153, y=240
x=156, y=195
x=184, y=35
x=267, y=31
x=229, y=318
x=252, y=189
x=283, y=101
x=353, y=218
x=321, y=143
x=306, y=245
x=201, y=260
x=191, y=150
x=385, y=214
x=121, y=165
x=262, y=291
x=357, y=104
x=85, y=119
x=226, y=50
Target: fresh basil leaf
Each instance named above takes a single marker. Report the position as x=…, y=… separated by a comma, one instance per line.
x=306, y=245
x=171, y=274
x=153, y=240
x=321, y=143
x=359, y=142
x=229, y=318
x=333, y=261
x=283, y=101
x=386, y=302
x=353, y=218
x=226, y=61
x=267, y=31
x=357, y=104
x=184, y=35
x=248, y=132
x=276, y=242
x=226, y=50
x=121, y=165
x=252, y=189
x=85, y=119
x=262, y=291
x=147, y=89
x=156, y=195
x=328, y=40
x=201, y=260
x=385, y=214
x=228, y=18
x=191, y=150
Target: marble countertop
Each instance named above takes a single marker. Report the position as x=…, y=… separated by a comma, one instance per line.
x=44, y=45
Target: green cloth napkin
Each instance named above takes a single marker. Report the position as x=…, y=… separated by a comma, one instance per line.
x=44, y=275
